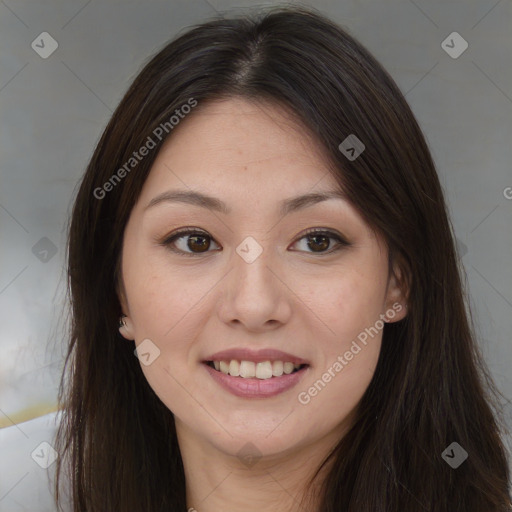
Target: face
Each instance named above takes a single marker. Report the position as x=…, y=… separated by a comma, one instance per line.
x=267, y=280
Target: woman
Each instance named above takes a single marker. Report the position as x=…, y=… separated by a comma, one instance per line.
x=263, y=218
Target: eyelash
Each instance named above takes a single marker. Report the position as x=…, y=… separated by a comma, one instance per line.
x=168, y=241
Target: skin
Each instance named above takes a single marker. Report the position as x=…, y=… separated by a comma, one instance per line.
x=306, y=301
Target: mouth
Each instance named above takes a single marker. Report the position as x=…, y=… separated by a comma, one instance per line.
x=262, y=370
x=250, y=379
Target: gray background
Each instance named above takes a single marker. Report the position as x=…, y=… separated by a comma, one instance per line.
x=53, y=111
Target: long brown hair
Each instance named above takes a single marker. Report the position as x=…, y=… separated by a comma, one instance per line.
x=430, y=388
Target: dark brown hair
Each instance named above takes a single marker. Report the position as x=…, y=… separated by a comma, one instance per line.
x=430, y=388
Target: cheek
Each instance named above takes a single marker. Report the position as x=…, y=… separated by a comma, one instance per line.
x=339, y=384
x=167, y=377
x=346, y=301
x=161, y=296
x=352, y=349
x=349, y=305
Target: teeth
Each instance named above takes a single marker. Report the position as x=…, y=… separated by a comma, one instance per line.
x=262, y=370
x=277, y=368
x=288, y=368
x=247, y=369
x=234, y=368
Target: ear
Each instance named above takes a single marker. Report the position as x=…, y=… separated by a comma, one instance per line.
x=397, y=295
x=126, y=327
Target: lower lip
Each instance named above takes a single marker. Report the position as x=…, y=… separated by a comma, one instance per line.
x=256, y=388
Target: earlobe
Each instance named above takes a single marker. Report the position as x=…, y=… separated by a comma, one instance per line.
x=397, y=297
x=395, y=312
x=125, y=328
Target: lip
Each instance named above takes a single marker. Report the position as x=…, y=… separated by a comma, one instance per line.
x=257, y=356
x=256, y=388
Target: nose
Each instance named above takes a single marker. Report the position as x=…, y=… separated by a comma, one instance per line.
x=254, y=295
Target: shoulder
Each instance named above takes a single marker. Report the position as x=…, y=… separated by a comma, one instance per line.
x=27, y=464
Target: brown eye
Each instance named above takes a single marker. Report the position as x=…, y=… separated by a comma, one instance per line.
x=319, y=242
x=189, y=242
x=201, y=243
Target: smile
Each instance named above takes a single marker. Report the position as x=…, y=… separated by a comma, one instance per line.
x=256, y=380
x=250, y=369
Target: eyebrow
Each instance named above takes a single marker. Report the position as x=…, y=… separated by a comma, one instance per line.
x=287, y=206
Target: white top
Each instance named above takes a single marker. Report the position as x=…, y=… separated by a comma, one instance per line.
x=27, y=465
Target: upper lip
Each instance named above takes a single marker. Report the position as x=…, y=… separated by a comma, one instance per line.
x=257, y=356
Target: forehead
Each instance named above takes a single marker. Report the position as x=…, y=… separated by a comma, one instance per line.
x=235, y=139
